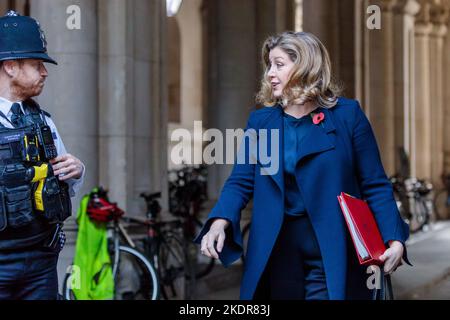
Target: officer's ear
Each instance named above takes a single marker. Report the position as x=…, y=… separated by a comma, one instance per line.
x=11, y=67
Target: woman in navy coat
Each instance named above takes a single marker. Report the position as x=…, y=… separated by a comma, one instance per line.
x=299, y=246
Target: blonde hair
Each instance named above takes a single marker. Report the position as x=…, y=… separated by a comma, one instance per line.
x=310, y=79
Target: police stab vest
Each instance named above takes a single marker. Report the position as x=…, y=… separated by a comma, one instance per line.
x=29, y=190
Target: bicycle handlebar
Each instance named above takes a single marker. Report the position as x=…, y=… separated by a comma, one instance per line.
x=150, y=196
x=149, y=222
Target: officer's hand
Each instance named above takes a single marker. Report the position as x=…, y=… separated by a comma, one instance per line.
x=215, y=234
x=67, y=166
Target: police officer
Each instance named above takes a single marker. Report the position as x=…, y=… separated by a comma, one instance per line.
x=37, y=175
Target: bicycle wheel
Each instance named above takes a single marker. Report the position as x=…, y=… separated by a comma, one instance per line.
x=202, y=265
x=135, y=278
x=67, y=293
x=442, y=204
x=420, y=215
x=403, y=207
x=245, y=233
x=174, y=268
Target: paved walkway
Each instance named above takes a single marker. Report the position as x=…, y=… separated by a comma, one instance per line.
x=429, y=252
x=429, y=278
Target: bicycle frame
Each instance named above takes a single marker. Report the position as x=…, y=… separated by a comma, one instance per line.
x=119, y=230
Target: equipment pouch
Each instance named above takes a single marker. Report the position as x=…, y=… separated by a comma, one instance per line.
x=51, y=199
x=19, y=206
x=3, y=219
x=65, y=201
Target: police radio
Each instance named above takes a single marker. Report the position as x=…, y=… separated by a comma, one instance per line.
x=19, y=145
x=30, y=146
x=47, y=142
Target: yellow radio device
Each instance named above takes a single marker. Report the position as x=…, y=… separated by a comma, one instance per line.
x=31, y=149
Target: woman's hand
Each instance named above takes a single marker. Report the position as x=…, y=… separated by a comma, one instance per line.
x=392, y=257
x=216, y=233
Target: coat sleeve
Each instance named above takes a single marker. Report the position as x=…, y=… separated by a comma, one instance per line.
x=375, y=186
x=235, y=195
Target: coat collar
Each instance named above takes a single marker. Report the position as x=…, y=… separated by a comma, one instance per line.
x=316, y=140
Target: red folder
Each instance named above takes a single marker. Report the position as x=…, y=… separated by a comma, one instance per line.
x=363, y=229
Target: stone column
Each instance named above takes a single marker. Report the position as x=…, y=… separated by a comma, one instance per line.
x=115, y=82
x=361, y=51
x=333, y=22
x=158, y=100
x=192, y=63
x=71, y=91
x=346, y=72
x=439, y=30
x=381, y=83
x=421, y=141
x=189, y=19
x=3, y=7
x=285, y=15
x=233, y=57
x=272, y=17
x=405, y=11
x=321, y=17
x=21, y=6
x=133, y=138
x=447, y=95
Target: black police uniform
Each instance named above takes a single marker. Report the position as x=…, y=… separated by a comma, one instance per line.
x=33, y=202
x=23, y=151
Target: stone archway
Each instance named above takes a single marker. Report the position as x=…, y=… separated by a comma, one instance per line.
x=186, y=70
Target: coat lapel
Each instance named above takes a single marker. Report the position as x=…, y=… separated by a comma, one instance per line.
x=317, y=139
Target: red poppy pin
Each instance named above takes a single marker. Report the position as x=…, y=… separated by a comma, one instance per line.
x=317, y=117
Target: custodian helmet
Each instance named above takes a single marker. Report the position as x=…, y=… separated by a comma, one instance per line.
x=21, y=37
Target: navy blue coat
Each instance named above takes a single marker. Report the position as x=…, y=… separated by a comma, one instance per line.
x=339, y=156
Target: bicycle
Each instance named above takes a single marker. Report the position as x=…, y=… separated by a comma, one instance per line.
x=442, y=198
x=414, y=200
x=187, y=193
x=135, y=277
x=414, y=196
x=245, y=235
x=165, y=245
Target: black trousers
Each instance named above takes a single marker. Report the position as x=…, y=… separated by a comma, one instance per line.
x=31, y=273
x=295, y=269
x=28, y=275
